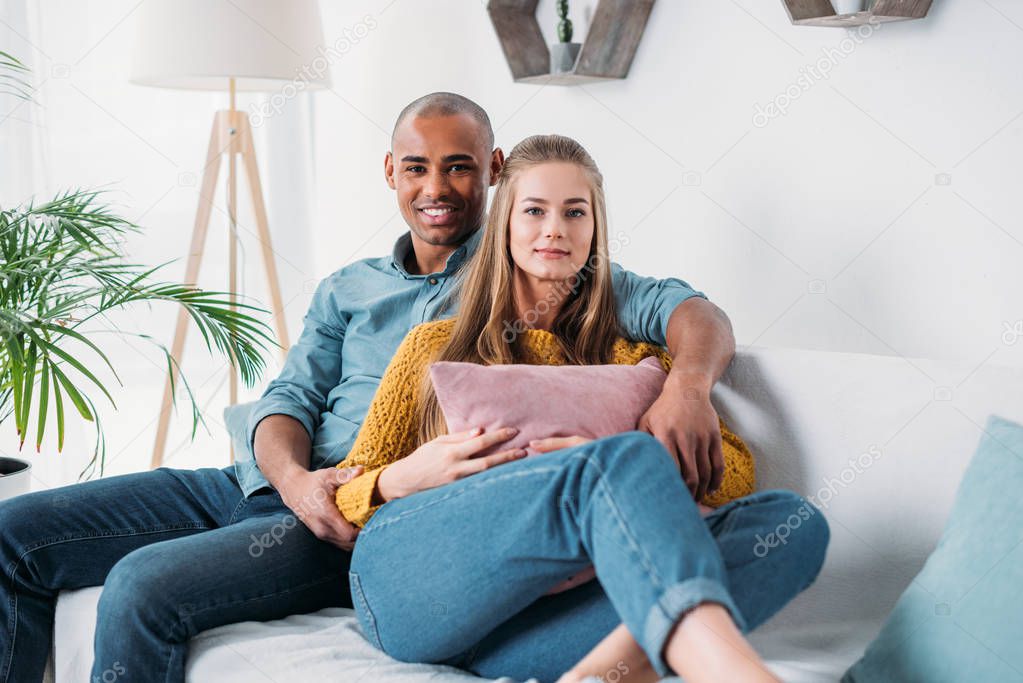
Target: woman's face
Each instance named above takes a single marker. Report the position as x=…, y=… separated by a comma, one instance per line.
x=551, y=226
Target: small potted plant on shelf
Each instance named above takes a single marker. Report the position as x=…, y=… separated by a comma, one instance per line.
x=565, y=52
x=62, y=270
x=851, y=6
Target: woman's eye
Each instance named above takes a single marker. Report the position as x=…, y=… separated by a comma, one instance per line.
x=575, y=213
x=534, y=211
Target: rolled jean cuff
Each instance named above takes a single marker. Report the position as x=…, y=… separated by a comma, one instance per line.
x=676, y=601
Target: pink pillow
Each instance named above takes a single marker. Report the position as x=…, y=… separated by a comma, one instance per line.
x=546, y=400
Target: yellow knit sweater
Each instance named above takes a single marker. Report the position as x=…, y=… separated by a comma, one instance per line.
x=390, y=429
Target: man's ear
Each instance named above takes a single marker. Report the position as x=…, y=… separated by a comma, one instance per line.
x=496, y=164
x=389, y=170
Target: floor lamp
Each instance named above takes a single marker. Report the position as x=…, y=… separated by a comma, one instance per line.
x=232, y=45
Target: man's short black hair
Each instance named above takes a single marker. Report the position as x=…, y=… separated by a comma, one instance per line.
x=447, y=104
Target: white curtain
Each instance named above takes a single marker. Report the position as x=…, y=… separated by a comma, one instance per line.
x=23, y=158
x=89, y=127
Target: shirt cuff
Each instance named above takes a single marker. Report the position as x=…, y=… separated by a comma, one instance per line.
x=276, y=407
x=355, y=499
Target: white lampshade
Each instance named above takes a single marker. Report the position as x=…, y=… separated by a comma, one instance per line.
x=201, y=44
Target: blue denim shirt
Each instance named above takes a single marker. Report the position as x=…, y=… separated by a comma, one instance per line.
x=358, y=317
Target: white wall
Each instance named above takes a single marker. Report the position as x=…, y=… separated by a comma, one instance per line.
x=842, y=189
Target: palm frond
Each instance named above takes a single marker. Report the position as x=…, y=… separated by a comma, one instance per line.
x=62, y=265
x=12, y=83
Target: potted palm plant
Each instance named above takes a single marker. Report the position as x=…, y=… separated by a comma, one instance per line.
x=62, y=270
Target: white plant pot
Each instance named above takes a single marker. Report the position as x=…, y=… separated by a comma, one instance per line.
x=851, y=6
x=563, y=57
x=16, y=477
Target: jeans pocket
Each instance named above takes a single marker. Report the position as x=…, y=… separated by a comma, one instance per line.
x=362, y=611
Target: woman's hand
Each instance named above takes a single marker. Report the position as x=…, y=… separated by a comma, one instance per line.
x=556, y=443
x=445, y=459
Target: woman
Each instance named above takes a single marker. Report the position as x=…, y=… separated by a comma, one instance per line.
x=458, y=554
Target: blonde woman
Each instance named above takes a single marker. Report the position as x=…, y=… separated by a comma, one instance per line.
x=458, y=555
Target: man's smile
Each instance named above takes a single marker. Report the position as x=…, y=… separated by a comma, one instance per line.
x=438, y=214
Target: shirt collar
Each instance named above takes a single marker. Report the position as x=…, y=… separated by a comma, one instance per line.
x=403, y=247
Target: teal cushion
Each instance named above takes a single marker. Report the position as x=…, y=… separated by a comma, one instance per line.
x=962, y=616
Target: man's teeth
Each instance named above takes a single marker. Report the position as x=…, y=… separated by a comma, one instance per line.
x=438, y=212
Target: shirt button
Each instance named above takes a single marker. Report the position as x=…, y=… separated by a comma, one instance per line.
x=433, y=280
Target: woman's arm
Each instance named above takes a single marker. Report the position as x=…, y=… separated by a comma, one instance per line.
x=389, y=431
x=386, y=446
x=447, y=458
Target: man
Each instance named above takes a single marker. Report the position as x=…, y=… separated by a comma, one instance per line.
x=179, y=551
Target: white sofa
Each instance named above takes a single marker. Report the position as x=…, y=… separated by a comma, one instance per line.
x=910, y=427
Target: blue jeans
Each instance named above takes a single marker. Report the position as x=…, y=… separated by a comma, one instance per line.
x=458, y=574
x=179, y=552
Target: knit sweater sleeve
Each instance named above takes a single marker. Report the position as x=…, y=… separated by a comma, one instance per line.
x=389, y=431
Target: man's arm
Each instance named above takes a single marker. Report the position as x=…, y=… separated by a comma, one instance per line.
x=669, y=312
x=311, y=370
x=701, y=343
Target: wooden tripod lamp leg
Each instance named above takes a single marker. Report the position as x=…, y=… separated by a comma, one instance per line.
x=248, y=153
x=232, y=230
x=195, y=249
x=231, y=134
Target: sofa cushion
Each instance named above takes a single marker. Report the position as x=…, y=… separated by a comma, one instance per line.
x=960, y=617
x=546, y=401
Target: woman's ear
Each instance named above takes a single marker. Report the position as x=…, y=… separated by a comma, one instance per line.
x=496, y=164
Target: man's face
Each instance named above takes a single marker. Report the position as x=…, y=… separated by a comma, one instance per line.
x=440, y=167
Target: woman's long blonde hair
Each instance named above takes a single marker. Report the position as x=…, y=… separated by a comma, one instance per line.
x=587, y=324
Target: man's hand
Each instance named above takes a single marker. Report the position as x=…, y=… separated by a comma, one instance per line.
x=310, y=495
x=683, y=419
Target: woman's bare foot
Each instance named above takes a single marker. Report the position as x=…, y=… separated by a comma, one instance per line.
x=707, y=646
x=616, y=658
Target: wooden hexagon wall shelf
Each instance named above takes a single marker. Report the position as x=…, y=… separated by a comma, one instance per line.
x=606, y=53
x=822, y=12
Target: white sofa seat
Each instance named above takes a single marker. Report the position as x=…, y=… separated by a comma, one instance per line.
x=910, y=427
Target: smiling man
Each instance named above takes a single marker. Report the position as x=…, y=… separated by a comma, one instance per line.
x=173, y=548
